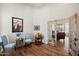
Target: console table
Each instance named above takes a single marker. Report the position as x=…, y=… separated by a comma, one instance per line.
x=20, y=42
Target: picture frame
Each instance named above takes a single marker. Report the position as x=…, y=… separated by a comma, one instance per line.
x=36, y=27
x=17, y=24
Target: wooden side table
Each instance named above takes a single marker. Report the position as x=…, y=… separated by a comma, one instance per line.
x=20, y=42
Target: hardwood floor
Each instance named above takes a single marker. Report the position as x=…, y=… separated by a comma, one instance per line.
x=41, y=50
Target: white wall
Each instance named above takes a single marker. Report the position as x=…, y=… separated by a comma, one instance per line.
x=52, y=11
x=0, y=18
x=0, y=22
x=78, y=27
x=16, y=10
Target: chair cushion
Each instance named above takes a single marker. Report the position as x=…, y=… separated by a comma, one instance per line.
x=4, y=40
x=12, y=38
x=0, y=39
x=12, y=45
x=28, y=36
x=28, y=40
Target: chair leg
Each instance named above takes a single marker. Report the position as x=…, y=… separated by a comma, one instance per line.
x=30, y=44
x=15, y=48
x=25, y=44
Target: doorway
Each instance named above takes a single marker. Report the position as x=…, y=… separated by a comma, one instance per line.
x=58, y=33
x=64, y=31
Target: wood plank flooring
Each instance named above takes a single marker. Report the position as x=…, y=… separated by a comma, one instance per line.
x=41, y=50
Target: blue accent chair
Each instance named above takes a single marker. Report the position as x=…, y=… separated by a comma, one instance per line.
x=0, y=40
x=28, y=39
x=6, y=45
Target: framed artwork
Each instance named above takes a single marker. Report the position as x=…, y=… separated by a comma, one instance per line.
x=17, y=24
x=36, y=27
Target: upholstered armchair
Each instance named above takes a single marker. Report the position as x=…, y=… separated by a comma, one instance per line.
x=28, y=39
x=38, y=38
x=6, y=44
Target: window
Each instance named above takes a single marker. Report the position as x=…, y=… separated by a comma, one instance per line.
x=60, y=27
